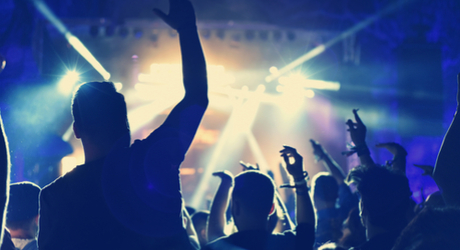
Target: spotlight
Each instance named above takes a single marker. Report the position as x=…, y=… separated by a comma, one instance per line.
x=123, y=32
x=67, y=83
x=277, y=35
x=263, y=35
x=109, y=30
x=249, y=35
x=220, y=34
x=291, y=36
x=138, y=33
x=206, y=34
x=172, y=33
x=94, y=30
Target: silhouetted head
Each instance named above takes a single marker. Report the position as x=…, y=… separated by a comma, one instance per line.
x=253, y=193
x=325, y=187
x=200, y=220
x=432, y=228
x=385, y=197
x=22, y=211
x=100, y=112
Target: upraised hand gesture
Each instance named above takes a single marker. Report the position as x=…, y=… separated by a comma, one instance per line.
x=225, y=176
x=295, y=169
x=427, y=169
x=318, y=150
x=357, y=130
x=249, y=166
x=181, y=15
x=399, y=155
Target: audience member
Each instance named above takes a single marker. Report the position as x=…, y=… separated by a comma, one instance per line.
x=252, y=201
x=5, y=237
x=199, y=220
x=332, y=198
x=22, y=215
x=127, y=197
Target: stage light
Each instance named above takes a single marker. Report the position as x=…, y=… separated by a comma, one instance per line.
x=321, y=48
x=67, y=83
x=118, y=86
x=109, y=30
x=84, y=52
x=94, y=30
x=309, y=93
x=273, y=70
x=138, y=33
x=123, y=32
x=67, y=164
x=74, y=41
x=297, y=79
x=291, y=36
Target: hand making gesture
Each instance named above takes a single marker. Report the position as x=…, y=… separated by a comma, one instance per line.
x=357, y=130
x=295, y=169
x=181, y=15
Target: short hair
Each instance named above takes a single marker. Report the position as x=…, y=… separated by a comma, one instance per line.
x=325, y=186
x=432, y=228
x=23, y=204
x=255, y=191
x=386, y=196
x=199, y=219
x=100, y=111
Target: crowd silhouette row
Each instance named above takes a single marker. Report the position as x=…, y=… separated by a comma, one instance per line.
x=128, y=196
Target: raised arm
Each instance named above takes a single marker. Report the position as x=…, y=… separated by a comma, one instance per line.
x=329, y=163
x=188, y=113
x=399, y=155
x=358, y=136
x=305, y=215
x=217, y=220
x=4, y=176
x=447, y=168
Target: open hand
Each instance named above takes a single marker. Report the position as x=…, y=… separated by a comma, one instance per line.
x=181, y=15
x=318, y=150
x=427, y=169
x=295, y=169
x=357, y=130
x=394, y=148
x=249, y=166
x=225, y=176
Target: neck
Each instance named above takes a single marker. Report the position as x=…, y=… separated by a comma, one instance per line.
x=21, y=234
x=246, y=224
x=320, y=204
x=372, y=231
x=94, y=152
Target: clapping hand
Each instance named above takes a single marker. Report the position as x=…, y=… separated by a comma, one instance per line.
x=181, y=15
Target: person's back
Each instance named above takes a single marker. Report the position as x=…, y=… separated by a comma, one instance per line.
x=127, y=197
x=22, y=215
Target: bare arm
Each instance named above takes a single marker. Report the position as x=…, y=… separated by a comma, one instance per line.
x=186, y=115
x=399, y=155
x=304, y=206
x=329, y=163
x=447, y=168
x=358, y=136
x=217, y=220
x=4, y=175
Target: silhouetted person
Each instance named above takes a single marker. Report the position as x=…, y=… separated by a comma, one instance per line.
x=385, y=203
x=127, y=197
x=22, y=215
x=252, y=201
x=5, y=242
x=199, y=220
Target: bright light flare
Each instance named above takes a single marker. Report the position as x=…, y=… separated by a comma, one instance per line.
x=68, y=82
x=299, y=80
x=67, y=164
x=118, y=86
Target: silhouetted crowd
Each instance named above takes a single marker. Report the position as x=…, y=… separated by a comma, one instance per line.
x=128, y=196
